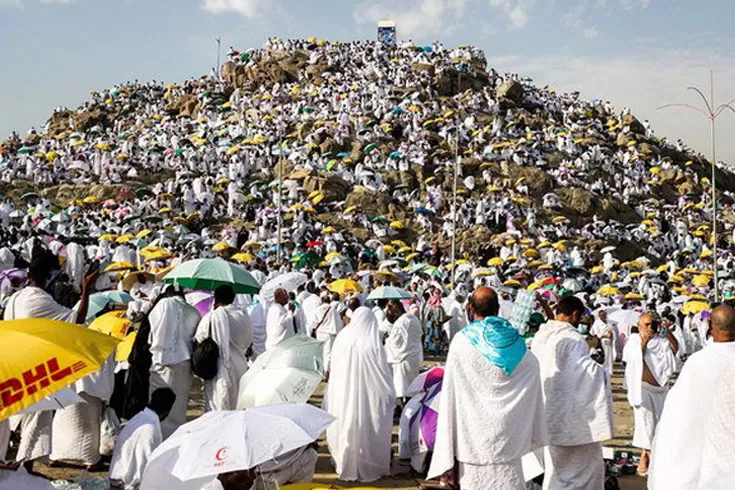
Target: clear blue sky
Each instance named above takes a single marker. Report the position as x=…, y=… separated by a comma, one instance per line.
x=636, y=53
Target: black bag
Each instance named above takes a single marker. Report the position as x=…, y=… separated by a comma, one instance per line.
x=204, y=358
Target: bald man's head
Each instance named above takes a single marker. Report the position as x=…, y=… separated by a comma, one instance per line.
x=722, y=321
x=484, y=303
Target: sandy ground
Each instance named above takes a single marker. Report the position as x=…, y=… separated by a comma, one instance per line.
x=404, y=478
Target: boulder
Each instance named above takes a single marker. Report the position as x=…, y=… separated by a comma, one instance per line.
x=634, y=124
x=423, y=68
x=370, y=202
x=510, y=89
x=333, y=187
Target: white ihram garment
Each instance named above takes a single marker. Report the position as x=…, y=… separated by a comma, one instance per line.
x=173, y=324
x=405, y=352
x=229, y=327
x=676, y=455
x=647, y=400
x=133, y=448
x=487, y=420
x=279, y=325
x=578, y=406
x=716, y=471
x=328, y=325
x=360, y=395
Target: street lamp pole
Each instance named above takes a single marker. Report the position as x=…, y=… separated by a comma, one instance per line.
x=219, y=50
x=454, y=186
x=711, y=113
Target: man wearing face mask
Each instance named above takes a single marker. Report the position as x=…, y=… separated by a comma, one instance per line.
x=578, y=402
x=33, y=301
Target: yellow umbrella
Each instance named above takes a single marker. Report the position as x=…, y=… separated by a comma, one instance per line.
x=344, y=286
x=700, y=281
x=350, y=209
x=243, y=258
x=318, y=198
x=160, y=255
x=694, y=307
x=662, y=268
x=91, y=200
x=134, y=277
x=389, y=249
x=296, y=207
x=495, y=262
x=387, y=274
x=313, y=194
x=512, y=258
x=544, y=244
x=534, y=263
x=221, y=246
x=634, y=296
x=597, y=269
x=398, y=243
x=560, y=246
x=125, y=238
x=558, y=219
x=165, y=210
x=108, y=238
x=412, y=256
x=124, y=348
x=397, y=225
x=608, y=291
x=332, y=255
x=41, y=356
x=143, y=234
x=404, y=250
x=705, y=254
x=328, y=229
x=531, y=253
x=119, y=266
x=676, y=279
x=545, y=267
x=113, y=323
x=512, y=283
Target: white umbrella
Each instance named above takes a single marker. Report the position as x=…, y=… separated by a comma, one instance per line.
x=289, y=281
x=225, y=441
x=288, y=373
x=607, y=249
x=624, y=317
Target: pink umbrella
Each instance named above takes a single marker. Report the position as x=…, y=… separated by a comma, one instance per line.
x=431, y=383
x=203, y=301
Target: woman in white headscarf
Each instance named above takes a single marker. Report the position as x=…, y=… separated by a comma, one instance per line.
x=360, y=395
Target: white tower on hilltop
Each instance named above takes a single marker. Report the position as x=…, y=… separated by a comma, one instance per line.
x=387, y=32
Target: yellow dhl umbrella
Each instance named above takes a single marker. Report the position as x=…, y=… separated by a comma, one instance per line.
x=387, y=274
x=124, y=348
x=598, y=269
x=345, y=286
x=560, y=246
x=534, y=263
x=700, y=281
x=662, y=268
x=223, y=181
x=54, y=354
x=328, y=229
x=404, y=250
x=412, y=256
x=608, y=290
x=243, y=258
x=525, y=241
x=544, y=244
x=531, y=253
x=151, y=250
x=113, y=323
x=124, y=239
x=109, y=237
x=165, y=210
x=512, y=258
x=700, y=297
x=464, y=262
x=705, y=254
x=143, y=233
x=389, y=249
x=309, y=209
x=398, y=243
x=161, y=255
x=495, y=262
x=119, y=266
x=102, y=146
x=313, y=194
x=221, y=246
x=91, y=200
x=317, y=199
x=677, y=279
x=694, y=307
x=397, y=225
x=350, y=209
x=545, y=267
x=633, y=296
x=510, y=241
x=512, y=283
x=296, y=207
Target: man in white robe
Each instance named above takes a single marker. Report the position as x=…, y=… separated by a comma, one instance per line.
x=650, y=362
x=137, y=441
x=577, y=399
x=173, y=324
x=717, y=471
x=404, y=349
x=676, y=455
x=34, y=302
x=605, y=332
x=456, y=312
x=257, y=314
x=229, y=326
x=360, y=395
x=327, y=325
x=279, y=323
x=491, y=412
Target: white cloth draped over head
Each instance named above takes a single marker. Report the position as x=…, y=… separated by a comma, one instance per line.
x=659, y=358
x=257, y=322
x=485, y=416
x=279, y=325
x=173, y=323
x=577, y=394
x=717, y=471
x=229, y=326
x=360, y=395
x=676, y=456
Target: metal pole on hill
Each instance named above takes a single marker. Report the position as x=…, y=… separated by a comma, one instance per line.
x=219, y=50
x=711, y=112
x=280, y=198
x=454, y=187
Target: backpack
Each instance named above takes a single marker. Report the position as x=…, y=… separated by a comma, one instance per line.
x=204, y=357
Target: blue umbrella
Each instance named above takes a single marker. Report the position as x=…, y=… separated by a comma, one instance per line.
x=396, y=155
x=423, y=211
x=99, y=301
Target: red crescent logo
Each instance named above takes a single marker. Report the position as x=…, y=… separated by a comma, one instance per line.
x=221, y=454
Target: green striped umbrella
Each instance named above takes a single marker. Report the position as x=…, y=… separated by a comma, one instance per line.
x=209, y=274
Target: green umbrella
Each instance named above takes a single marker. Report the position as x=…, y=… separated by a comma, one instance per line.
x=179, y=151
x=209, y=274
x=389, y=292
x=370, y=148
x=379, y=219
x=331, y=164
x=307, y=110
x=142, y=191
x=152, y=219
x=245, y=57
x=25, y=151
x=99, y=301
x=307, y=259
